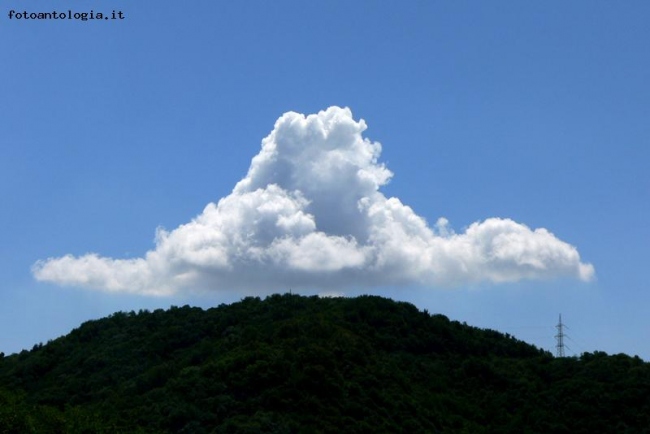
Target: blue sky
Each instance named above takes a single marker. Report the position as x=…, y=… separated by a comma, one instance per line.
x=527, y=113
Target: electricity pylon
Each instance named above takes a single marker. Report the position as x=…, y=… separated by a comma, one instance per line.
x=559, y=348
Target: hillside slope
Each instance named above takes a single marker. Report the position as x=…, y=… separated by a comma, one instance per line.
x=292, y=364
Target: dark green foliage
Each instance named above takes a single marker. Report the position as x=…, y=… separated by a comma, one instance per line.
x=292, y=364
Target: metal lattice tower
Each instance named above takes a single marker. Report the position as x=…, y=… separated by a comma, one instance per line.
x=559, y=348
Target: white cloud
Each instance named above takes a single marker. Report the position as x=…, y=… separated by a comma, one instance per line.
x=310, y=213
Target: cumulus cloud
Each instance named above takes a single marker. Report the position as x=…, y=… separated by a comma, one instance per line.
x=310, y=214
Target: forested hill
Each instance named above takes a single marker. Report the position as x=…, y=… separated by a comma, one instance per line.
x=293, y=364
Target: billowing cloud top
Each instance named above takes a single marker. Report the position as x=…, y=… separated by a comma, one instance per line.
x=310, y=214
